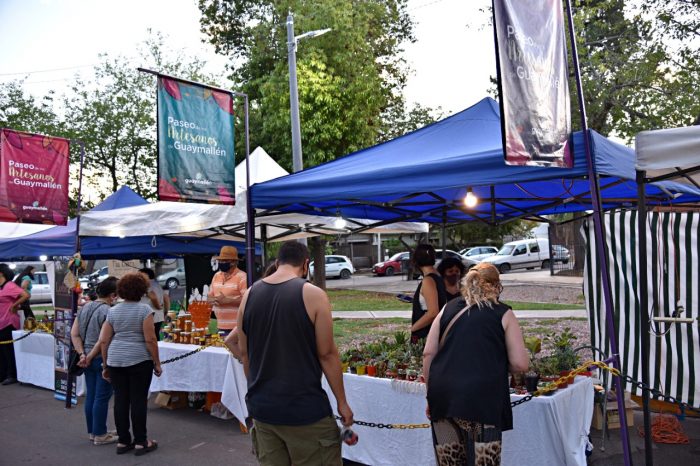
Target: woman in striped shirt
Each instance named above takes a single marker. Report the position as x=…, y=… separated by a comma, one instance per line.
x=130, y=350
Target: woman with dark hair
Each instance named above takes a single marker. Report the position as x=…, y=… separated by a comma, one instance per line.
x=11, y=297
x=85, y=335
x=472, y=345
x=451, y=270
x=429, y=297
x=24, y=280
x=130, y=350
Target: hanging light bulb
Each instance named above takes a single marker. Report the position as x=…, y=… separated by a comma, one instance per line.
x=339, y=222
x=470, y=200
x=43, y=257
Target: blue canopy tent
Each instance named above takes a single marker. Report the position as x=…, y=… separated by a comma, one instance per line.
x=425, y=175
x=60, y=240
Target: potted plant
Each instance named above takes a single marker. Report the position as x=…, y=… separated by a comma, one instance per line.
x=372, y=368
x=532, y=377
x=565, y=359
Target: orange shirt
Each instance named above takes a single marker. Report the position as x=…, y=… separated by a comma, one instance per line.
x=232, y=287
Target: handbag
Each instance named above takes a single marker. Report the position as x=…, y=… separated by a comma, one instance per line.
x=73, y=368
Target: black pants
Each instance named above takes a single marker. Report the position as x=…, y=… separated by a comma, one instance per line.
x=8, y=368
x=27, y=310
x=131, y=400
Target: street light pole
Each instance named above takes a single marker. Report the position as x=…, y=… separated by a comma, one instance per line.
x=297, y=163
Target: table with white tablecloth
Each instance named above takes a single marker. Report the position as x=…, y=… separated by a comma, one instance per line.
x=200, y=372
x=34, y=357
x=548, y=430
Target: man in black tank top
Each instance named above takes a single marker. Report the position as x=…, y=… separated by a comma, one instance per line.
x=286, y=344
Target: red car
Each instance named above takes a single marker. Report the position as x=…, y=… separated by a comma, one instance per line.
x=392, y=266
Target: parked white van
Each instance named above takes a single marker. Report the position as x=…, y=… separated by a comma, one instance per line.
x=523, y=254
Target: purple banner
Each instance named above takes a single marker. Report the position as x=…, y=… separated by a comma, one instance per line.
x=533, y=82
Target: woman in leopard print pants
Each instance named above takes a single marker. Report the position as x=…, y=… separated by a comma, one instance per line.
x=472, y=345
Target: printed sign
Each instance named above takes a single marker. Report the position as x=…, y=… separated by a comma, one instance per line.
x=33, y=178
x=63, y=320
x=195, y=143
x=533, y=82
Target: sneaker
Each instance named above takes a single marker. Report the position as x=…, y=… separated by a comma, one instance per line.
x=92, y=438
x=106, y=439
x=9, y=380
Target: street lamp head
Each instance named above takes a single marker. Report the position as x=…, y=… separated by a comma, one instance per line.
x=310, y=34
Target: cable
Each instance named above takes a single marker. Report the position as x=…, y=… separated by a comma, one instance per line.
x=665, y=428
x=47, y=70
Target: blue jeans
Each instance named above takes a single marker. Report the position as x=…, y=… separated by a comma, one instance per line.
x=99, y=391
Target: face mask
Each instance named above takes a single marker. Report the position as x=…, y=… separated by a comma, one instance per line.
x=452, y=279
x=224, y=266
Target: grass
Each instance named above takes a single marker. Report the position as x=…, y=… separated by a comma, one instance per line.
x=350, y=332
x=356, y=300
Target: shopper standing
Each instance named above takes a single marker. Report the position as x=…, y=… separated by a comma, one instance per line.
x=25, y=280
x=286, y=343
x=155, y=298
x=85, y=335
x=130, y=349
x=11, y=298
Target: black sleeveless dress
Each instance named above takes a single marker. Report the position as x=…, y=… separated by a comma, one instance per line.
x=418, y=311
x=469, y=375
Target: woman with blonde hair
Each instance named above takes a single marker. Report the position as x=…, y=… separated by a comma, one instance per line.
x=472, y=345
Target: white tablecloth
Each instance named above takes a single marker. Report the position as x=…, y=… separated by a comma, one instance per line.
x=547, y=430
x=34, y=357
x=201, y=372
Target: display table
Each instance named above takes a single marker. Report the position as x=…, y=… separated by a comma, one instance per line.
x=550, y=430
x=34, y=357
x=201, y=372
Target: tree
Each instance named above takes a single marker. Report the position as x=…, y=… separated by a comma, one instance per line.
x=114, y=114
x=350, y=80
x=23, y=112
x=639, y=63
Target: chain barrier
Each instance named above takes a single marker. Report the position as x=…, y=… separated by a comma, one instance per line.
x=39, y=326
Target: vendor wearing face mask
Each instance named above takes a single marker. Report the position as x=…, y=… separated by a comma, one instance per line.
x=451, y=270
x=227, y=288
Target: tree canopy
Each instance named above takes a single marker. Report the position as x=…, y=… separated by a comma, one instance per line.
x=350, y=80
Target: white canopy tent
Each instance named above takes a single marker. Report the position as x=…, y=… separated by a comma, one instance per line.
x=227, y=222
x=670, y=153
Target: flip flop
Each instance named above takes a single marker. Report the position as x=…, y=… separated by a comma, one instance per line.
x=146, y=448
x=125, y=449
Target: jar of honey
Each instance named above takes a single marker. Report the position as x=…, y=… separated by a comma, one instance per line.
x=188, y=326
x=181, y=322
x=175, y=335
x=186, y=338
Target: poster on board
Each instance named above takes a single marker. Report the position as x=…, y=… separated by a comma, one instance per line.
x=63, y=320
x=196, y=160
x=533, y=82
x=33, y=178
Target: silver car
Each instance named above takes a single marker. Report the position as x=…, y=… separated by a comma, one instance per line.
x=172, y=279
x=478, y=253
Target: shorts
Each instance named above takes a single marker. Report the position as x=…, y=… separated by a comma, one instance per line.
x=316, y=444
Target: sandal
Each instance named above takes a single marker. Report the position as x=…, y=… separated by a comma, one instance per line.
x=124, y=448
x=148, y=447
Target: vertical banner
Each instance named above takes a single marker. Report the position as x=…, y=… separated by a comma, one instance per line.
x=533, y=82
x=63, y=321
x=195, y=143
x=33, y=178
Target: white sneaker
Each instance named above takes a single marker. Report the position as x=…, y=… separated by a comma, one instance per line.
x=106, y=439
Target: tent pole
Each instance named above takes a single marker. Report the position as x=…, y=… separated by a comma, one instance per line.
x=263, y=240
x=492, y=190
x=601, y=248
x=74, y=294
x=250, y=224
x=644, y=310
x=444, y=232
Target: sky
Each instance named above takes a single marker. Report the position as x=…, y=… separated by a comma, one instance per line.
x=49, y=41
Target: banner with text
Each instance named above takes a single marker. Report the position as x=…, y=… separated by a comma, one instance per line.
x=533, y=82
x=33, y=178
x=195, y=143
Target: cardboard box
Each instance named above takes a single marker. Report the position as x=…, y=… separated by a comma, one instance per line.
x=613, y=415
x=171, y=400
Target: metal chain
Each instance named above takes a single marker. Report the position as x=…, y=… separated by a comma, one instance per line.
x=659, y=394
x=9, y=342
x=183, y=356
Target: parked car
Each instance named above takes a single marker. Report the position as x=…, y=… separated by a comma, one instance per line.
x=391, y=266
x=336, y=266
x=468, y=263
x=560, y=254
x=41, y=290
x=523, y=254
x=478, y=253
x=172, y=279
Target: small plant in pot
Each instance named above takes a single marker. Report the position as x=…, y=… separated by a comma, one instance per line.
x=565, y=359
x=532, y=377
